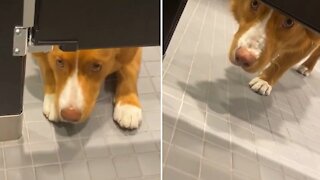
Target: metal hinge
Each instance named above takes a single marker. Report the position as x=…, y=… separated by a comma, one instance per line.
x=20, y=40
x=22, y=44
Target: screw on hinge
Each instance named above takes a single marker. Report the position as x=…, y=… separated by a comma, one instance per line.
x=18, y=31
x=16, y=50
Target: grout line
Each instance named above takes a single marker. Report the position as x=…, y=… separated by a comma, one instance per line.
x=229, y=118
x=181, y=172
x=139, y=164
x=85, y=157
x=115, y=169
x=207, y=92
x=29, y=146
x=4, y=165
x=150, y=77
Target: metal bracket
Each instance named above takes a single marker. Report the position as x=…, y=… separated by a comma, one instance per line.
x=20, y=39
x=22, y=45
x=42, y=48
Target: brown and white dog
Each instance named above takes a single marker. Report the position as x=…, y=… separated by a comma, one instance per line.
x=270, y=43
x=72, y=81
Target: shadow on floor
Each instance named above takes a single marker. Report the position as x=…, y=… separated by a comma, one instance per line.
x=232, y=98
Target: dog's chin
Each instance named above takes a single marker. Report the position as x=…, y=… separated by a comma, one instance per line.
x=250, y=69
x=73, y=122
x=81, y=121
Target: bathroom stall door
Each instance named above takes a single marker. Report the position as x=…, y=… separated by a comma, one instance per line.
x=172, y=11
x=97, y=23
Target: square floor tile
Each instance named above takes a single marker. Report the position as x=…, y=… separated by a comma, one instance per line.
x=145, y=86
x=119, y=145
x=17, y=156
x=144, y=142
x=150, y=163
x=70, y=151
x=217, y=155
x=79, y=171
x=188, y=142
x=49, y=172
x=127, y=166
x=21, y=174
x=153, y=68
x=102, y=169
x=95, y=147
x=245, y=165
x=39, y=132
x=169, y=173
x=184, y=161
x=44, y=153
x=209, y=170
x=269, y=173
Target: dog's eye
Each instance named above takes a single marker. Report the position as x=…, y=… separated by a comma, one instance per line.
x=96, y=67
x=288, y=23
x=60, y=63
x=254, y=5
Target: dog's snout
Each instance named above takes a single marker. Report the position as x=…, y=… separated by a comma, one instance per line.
x=244, y=57
x=71, y=114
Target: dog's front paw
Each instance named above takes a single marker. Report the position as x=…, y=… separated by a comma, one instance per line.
x=260, y=86
x=127, y=116
x=303, y=70
x=49, y=108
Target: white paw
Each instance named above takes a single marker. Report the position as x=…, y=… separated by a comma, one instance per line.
x=49, y=108
x=303, y=70
x=260, y=86
x=127, y=116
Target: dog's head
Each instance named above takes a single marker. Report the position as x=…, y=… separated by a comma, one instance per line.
x=78, y=78
x=263, y=34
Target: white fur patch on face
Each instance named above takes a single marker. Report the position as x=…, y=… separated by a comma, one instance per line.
x=72, y=94
x=49, y=108
x=260, y=86
x=127, y=116
x=254, y=38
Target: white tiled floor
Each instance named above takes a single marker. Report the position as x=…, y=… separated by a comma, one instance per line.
x=98, y=150
x=215, y=127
